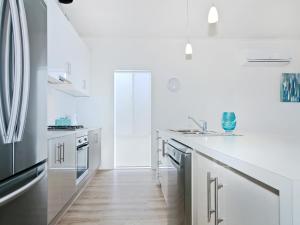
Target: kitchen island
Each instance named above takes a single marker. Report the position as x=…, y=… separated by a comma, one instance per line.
x=271, y=162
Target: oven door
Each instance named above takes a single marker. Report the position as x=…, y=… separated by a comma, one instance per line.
x=82, y=164
x=175, y=194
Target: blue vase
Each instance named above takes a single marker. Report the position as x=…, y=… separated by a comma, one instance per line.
x=228, y=121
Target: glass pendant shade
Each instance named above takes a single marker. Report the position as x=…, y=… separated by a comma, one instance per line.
x=213, y=15
x=188, y=49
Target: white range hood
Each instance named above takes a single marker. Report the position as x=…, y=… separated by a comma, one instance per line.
x=59, y=79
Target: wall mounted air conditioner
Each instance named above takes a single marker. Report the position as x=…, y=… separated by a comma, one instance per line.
x=266, y=57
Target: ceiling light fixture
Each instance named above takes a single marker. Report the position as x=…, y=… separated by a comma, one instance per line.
x=188, y=49
x=188, y=46
x=213, y=15
x=65, y=1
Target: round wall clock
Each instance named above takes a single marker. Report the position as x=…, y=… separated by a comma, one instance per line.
x=174, y=84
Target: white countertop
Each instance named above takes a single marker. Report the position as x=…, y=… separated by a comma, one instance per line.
x=277, y=154
x=58, y=133
x=272, y=159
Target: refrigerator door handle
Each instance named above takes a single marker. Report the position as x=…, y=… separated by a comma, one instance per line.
x=26, y=71
x=5, y=50
x=4, y=200
x=18, y=65
x=6, y=67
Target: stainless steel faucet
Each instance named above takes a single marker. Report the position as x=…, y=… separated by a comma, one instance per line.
x=203, y=126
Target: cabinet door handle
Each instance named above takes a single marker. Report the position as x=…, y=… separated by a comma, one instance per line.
x=163, y=148
x=63, y=152
x=56, y=153
x=217, y=188
x=60, y=159
x=69, y=68
x=210, y=211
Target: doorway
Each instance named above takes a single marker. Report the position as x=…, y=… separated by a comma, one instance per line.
x=132, y=119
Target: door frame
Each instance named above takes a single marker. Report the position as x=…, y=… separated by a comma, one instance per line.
x=114, y=117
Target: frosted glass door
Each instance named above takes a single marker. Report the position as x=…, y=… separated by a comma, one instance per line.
x=132, y=119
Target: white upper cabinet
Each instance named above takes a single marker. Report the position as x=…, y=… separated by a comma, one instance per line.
x=68, y=55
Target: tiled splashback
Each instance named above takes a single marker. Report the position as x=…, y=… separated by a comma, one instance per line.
x=59, y=105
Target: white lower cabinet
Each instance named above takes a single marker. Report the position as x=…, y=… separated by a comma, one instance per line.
x=61, y=173
x=94, y=150
x=162, y=164
x=62, y=152
x=201, y=187
x=222, y=195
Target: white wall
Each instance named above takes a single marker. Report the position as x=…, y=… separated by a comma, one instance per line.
x=213, y=82
x=59, y=104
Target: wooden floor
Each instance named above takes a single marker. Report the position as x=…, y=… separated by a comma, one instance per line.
x=119, y=197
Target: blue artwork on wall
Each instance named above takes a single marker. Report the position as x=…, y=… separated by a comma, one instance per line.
x=290, y=87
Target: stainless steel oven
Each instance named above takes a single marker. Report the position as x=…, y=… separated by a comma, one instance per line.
x=179, y=187
x=82, y=158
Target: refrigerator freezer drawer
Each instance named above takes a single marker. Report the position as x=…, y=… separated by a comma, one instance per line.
x=23, y=199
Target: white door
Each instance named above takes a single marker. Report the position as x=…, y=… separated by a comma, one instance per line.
x=132, y=119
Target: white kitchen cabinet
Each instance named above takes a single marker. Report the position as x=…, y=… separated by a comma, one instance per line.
x=62, y=152
x=162, y=164
x=58, y=38
x=247, y=203
x=201, y=196
x=94, y=149
x=240, y=200
x=61, y=173
x=68, y=55
x=161, y=152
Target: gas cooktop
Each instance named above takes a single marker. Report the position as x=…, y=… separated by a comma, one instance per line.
x=64, y=128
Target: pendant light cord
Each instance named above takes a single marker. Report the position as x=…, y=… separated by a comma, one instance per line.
x=188, y=19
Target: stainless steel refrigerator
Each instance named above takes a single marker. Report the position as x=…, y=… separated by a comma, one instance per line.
x=23, y=112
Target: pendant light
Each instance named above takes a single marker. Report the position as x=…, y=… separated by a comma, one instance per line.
x=188, y=49
x=65, y=1
x=188, y=46
x=213, y=15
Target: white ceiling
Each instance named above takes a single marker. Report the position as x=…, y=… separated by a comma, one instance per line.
x=166, y=18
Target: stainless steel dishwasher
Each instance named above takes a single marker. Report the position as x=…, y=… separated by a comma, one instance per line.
x=179, y=187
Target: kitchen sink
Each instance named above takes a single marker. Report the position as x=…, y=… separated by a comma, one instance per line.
x=188, y=131
x=196, y=132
